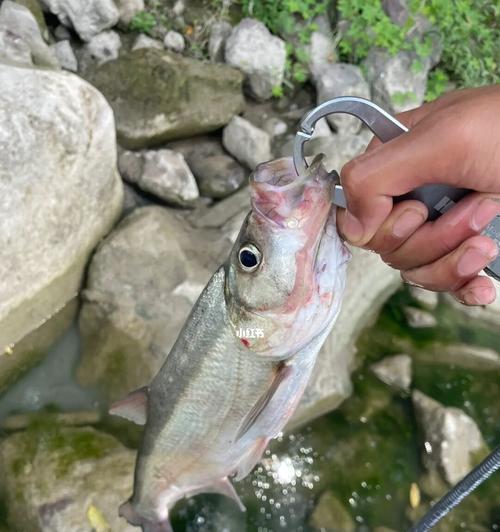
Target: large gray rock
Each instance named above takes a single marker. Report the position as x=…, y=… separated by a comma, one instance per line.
x=219, y=33
x=452, y=440
x=159, y=96
x=321, y=54
x=260, y=55
x=163, y=173
x=57, y=479
x=36, y=10
x=87, y=17
x=128, y=9
x=341, y=79
x=60, y=192
x=20, y=29
x=247, y=143
x=396, y=84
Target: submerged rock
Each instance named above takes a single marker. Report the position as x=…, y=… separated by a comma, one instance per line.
x=330, y=515
x=87, y=17
x=394, y=371
x=249, y=144
x=60, y=192
x=159, y=96
x=452, y=441
x=462, y=355
x=56, y=479
x=260, y=55
x=426, y=298
x=419, y=319
x=19, y=32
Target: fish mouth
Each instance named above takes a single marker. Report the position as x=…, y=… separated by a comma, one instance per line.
x=282, y=197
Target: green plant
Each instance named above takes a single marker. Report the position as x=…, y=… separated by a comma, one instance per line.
x=143, y=22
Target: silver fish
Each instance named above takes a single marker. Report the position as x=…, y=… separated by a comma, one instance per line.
x=240, y=364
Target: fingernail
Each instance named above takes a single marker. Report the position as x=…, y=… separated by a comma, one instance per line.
x=352, y=228
x=474, y=260
x=479, y=296
x=484, y=213
x=407, y=223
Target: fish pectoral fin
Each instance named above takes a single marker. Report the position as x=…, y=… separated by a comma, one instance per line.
x=133, y=407
x=223, y=486
x=282, y=373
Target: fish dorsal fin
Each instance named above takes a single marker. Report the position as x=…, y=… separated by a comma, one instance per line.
x=282, y=373
x=133, y=407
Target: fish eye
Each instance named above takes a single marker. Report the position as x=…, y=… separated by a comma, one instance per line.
x=249, y=257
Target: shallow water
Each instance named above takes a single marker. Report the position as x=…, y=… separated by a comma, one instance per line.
x=366, y=453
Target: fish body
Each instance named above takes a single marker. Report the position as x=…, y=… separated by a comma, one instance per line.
x=241, y=363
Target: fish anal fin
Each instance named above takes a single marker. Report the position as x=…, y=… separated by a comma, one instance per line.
x=283, y=372
x=250, y=459
x=223, y=486
x=133, y=407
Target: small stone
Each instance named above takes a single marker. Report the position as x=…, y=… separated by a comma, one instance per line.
x=218, y=176
x=179, y=8
x=17, y=23
x=61, y=33
x=339, y=79
x=330, y=514
x=88, y=18
x=219, y=33
x=396, y=10
x=321, y=53
x=143, y=41
x=174, y=41
x=394, y=370
x=103, y=47
x=426, y=298
x=452, y=440
x=128, y=9
x=131, y=165
x=65, y=55
x=419, y=319
x=275, y=127
x=260, y=55
x=398, y=85
x=166, y=174
x=247, y=143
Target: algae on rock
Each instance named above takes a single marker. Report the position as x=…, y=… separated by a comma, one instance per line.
x=159, y=96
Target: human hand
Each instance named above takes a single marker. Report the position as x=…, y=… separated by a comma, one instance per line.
x=455, y=141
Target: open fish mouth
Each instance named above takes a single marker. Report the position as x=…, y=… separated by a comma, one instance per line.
x=290, y=201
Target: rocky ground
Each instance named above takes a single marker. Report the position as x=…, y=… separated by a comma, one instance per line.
x=123, y=169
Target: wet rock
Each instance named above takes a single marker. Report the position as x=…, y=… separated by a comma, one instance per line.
x=143, y=41
x=20, y=31
x=17, y=422
x=249, y=144
x=321, y=54
x=102, y=48
x=60, y=192
x=159, y=96
x=331, y=515
x=365, y=294
x=128, y=9
x=466, y=356
x=57, y=479
x=218, y=176
x=164, y=263
x=87, y=17
x=260, y=55
x=65, y=55
x=419, y=319
x=174, y=41
x=339, y=79
x=452, y=440
x=397, y=84
x=426, y=298
x=394, y=371
x=163, y=173
x=219, y=32
x=489, y=314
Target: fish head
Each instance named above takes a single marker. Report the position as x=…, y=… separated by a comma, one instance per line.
x=286, y=272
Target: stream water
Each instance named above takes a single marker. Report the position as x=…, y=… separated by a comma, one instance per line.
x=358, y=461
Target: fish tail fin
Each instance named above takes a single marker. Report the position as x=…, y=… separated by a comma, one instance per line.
x=128, y=512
